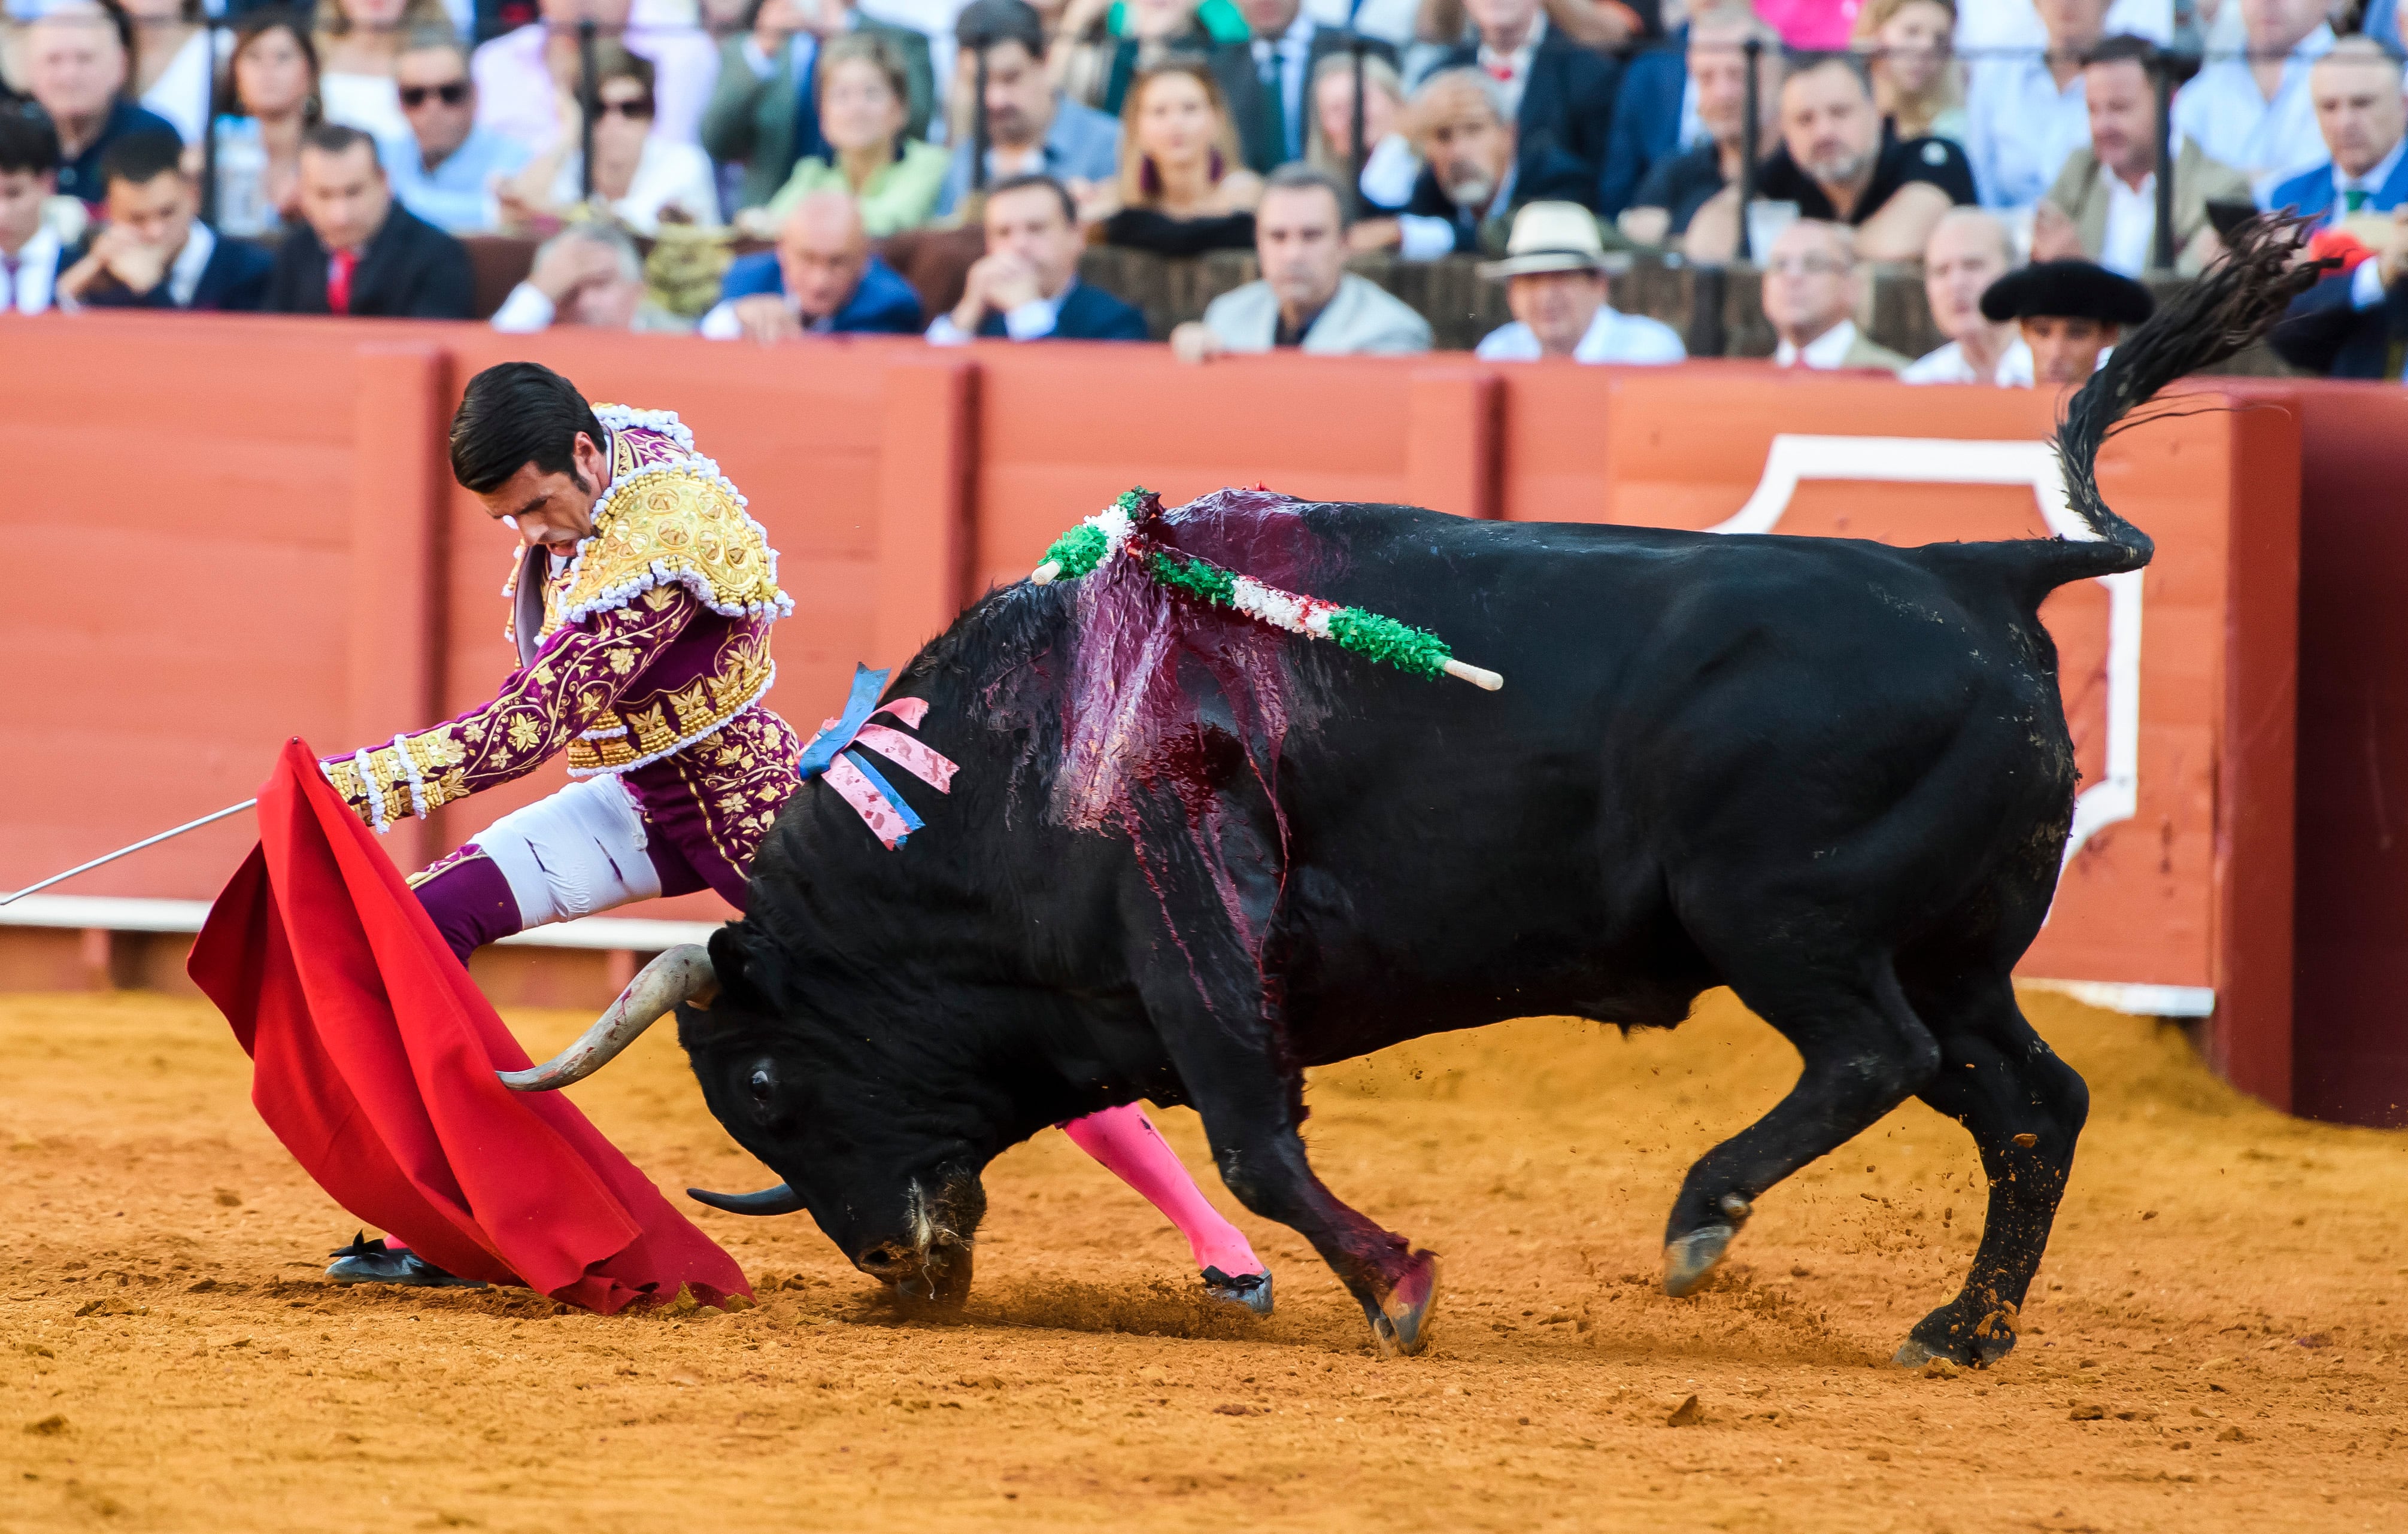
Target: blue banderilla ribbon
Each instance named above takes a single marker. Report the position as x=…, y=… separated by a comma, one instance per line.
x=837, y=740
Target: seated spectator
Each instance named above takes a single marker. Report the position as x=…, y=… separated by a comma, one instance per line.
x=1032, y=129
x=1835, y=164
x=271, y=100
x=1391, y=168
x=75, y=56
x=1557, y=93
x=445, y=168
x=172, y=73
x=1268, y=81
x=1812, y=288
x=1100, y=47
x=1656, y=112
x=1918, y=86
x=1554, y=283
x=1969, y=250
x=821, y=280
x=1306, y=298
x=2360, y=112
x=358, y=41
x=1661, y=209
x=1471, y=178
x=2025, y=111
x=2071, y=313
x=1027, y=287
x=2253, y=113
x=527, y=78
x=588, y=276
x=765, y=112
x=640, y=177
x=2104, y=205
x=358, y=252
x=1182, y=190
x=865, y=154
x=2353, y=324
x=31, y=251
x=156, y=254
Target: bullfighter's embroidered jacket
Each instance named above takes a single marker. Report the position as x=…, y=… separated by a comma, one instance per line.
x=645, y=654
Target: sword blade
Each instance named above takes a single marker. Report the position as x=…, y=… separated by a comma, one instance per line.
x=120, y=852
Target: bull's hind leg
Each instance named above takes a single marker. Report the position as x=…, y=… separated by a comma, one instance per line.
x=1865, y=1053
x=2024, y=1108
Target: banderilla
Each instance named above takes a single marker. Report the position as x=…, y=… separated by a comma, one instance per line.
x=120, y=852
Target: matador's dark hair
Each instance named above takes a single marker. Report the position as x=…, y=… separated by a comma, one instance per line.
x=515, y=414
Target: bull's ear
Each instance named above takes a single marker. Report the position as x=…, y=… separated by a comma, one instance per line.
x=732, y=960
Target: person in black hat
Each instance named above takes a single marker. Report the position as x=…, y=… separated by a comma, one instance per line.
x=2072, y=312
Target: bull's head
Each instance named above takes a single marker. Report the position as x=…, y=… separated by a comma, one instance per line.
x=893, y=1185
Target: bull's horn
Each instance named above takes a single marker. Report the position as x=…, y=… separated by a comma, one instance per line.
x=683, y=974
x=780, y=1199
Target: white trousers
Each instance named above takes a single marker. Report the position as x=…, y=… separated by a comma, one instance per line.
x=579, y=851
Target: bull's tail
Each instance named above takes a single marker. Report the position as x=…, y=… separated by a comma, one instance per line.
x=2227, y=309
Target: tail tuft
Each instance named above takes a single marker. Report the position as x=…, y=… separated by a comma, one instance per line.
x=2233, y=304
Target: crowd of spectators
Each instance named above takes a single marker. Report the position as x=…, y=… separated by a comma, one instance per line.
x=331, y=159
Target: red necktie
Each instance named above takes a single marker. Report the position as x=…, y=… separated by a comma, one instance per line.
x=1504, y=72
x=338, y=281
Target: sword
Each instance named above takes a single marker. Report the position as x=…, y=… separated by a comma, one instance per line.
x=120, y=852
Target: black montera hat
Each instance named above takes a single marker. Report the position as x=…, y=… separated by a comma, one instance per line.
x=2068, y=289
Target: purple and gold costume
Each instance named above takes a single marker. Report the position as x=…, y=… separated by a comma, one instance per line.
x=644, y=655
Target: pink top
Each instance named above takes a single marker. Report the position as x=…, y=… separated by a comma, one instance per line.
x=1820, y=25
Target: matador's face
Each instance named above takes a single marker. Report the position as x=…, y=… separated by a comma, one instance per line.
x=551, y=510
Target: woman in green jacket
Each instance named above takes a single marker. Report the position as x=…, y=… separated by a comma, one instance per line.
x=864, y=108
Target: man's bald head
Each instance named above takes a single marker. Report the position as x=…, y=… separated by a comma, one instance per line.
x=821, y=252
x=1969, y=250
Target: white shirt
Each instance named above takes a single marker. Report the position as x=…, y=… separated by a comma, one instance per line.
x=1948, y=366
x=2131, y=223
x=1983, y=24
x=2020, y=128
x=1518, y=61
x=1391, y=20
x=666, y=173
x=38, y=270
x=181, y=92
x=525, y=312
x=1389, y=172
x=1827, y=350
x=1031, y=321
x=2265, y=140
x=1612, y=336
x=184, y=273
x=370, y=103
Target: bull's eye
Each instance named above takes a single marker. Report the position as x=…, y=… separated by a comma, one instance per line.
x=762, y=1083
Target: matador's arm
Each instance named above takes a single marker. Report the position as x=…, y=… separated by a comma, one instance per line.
x=575, y=679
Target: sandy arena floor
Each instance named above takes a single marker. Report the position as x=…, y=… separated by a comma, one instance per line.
x=2217, y=1342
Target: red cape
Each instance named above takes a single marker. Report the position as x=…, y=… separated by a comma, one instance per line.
x=373, y=1059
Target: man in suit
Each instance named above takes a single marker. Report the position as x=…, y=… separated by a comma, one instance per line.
x=1472, y=177
x=2103, y=207
x=1654, y=118
x=1268, y=82
x=1027, y=287
x=2360, y=113
x=821, y=280
x=1306, y=299
x=1559, y=94
x=76, y=56
x=1031, y=127
x=30, y=250
x=1814, y=285
x=2355, y=323
x=359, y=253
x=764, y=109
x=156, y=254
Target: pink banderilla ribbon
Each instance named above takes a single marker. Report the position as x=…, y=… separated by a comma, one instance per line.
x=861, y=786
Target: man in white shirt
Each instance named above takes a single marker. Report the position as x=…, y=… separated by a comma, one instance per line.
x=1813, y=287
x=2027, y=112
x=29, y=174
x=2104, y=205
x=2254, y=113
x=1990, y=26
x=1554, y=273
x=1306, y=299
x=1968, y=251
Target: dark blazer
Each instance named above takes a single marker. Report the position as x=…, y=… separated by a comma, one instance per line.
x=2323, y=332
x=883, y=303
x=1567, y=104
x=1248, y=103
x=410, y=270
x=1552, y=177
x=235, y=280
x=1088, y=313
x=1646, y=128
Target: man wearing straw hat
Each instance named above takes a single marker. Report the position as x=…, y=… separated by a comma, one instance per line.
x=1554, y=273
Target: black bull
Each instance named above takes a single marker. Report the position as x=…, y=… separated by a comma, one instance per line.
x=1187, y=856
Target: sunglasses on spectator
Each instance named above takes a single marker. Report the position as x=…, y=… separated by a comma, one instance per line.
x=636, y=110
x=451, y=94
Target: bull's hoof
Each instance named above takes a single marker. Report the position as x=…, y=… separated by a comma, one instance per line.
x=1689, y=1259
x=1251, y=1291
x=1943, y=1334
x=1400, y=1327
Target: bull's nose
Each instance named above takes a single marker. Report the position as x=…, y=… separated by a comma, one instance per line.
x=888, y=1261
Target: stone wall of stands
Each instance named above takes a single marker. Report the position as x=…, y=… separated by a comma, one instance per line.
x=229, y=531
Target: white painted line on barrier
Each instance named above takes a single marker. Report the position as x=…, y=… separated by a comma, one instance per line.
x=2139, y=1000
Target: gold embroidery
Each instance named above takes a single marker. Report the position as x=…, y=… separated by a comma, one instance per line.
x=700, y=708
x=525, y=732
x=650, y=728
x=695, y=710
x=663, y=525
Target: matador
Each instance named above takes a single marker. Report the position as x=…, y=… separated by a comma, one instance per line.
x=642, y=602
